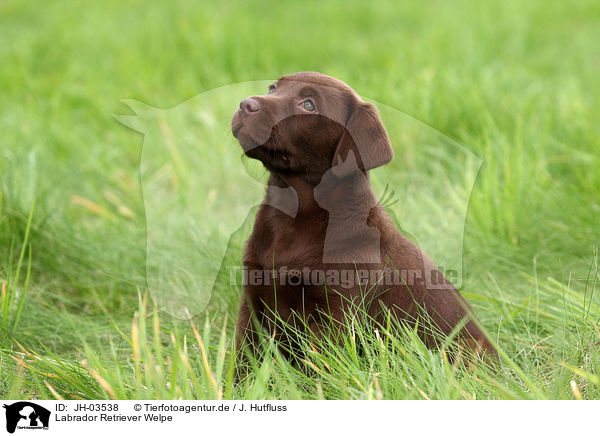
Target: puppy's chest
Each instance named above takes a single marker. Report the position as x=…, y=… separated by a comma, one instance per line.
x=290, y=245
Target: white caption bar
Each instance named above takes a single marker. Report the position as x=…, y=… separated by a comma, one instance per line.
x=295, y=417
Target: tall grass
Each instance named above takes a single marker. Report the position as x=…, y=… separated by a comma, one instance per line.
x=14, y=293
x=366, y=360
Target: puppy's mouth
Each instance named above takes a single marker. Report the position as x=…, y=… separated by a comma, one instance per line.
x=245, y=136
x=268, y=153
x=235, y=129
x=271, y=152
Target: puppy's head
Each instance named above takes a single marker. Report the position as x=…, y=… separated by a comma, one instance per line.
x=307, y=124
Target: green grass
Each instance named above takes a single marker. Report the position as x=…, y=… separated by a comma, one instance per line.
x=514, y=82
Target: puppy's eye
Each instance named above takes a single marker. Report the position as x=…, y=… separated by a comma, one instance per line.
x=272, y=88
x=308, y=105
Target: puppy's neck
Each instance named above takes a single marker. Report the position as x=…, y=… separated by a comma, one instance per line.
x=292, y=195
x=346, y=200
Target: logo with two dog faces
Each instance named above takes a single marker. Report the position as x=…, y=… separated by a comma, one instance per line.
x=24, y=415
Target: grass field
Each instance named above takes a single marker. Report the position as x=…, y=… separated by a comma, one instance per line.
x=515, y=82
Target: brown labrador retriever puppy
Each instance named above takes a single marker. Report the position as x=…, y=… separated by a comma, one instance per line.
x=321, y=242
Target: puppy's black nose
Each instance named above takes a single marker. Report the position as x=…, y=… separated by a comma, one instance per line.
x=249, y=105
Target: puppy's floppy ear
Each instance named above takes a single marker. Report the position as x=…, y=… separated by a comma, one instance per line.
x=365, y=132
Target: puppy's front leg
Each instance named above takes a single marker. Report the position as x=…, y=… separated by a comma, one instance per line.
x=242, y=327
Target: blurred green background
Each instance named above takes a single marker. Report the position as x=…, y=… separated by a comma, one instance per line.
x=516, y=82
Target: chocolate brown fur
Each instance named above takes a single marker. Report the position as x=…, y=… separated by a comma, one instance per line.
x=324, y=157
